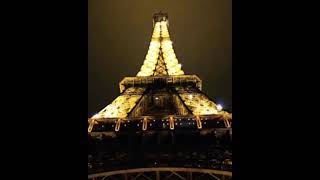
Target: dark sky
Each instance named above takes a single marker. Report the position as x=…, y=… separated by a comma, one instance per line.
x=120, y=33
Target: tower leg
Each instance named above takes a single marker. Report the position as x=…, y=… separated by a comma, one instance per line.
x=125, y=175
x=157, y=175
x=189, y=177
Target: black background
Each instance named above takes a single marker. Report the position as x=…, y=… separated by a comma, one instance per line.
x=44, y=67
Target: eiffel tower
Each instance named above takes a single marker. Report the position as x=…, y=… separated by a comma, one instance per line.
x=162, y=125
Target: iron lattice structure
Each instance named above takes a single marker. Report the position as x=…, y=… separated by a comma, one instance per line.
x=161, y=119
x=164, y=174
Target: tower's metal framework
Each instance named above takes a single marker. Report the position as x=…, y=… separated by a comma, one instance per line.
x=163, y=173
x=161, y=102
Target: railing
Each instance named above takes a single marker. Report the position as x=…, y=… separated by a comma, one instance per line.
x=165, y=173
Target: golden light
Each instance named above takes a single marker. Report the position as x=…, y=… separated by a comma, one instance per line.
x=160, y=39
x=121, y=106
x=199, y=104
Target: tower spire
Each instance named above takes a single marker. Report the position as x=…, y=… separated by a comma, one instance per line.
x=160, y=58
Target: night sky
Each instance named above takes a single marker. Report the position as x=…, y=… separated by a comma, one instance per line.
x=119, y=34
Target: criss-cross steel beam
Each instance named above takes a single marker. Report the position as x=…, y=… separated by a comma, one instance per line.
x=178, y=175
x=211, y=172
x=214, y=176
x=168, y=176
x=146, y=176
x=139, y=174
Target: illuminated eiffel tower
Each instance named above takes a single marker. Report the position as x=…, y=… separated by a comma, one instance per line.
x=158, y=110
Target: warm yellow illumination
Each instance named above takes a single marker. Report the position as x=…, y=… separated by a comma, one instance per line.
x=144, y=124
x=150, y=61
x=160, y=39
x=92, y=122
x=174, y=68
x=97, y=116
x=118, y=124
x=122, y=105
x=199, y=124
x=171, y=123
x=226, y=118
x=199, y=104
